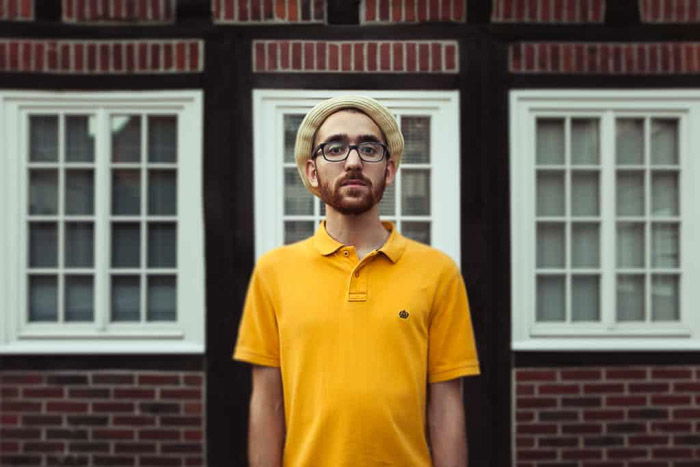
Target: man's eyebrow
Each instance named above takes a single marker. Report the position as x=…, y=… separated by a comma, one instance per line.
x=361, y=138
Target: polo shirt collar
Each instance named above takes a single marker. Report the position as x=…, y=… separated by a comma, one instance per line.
x=393, y=248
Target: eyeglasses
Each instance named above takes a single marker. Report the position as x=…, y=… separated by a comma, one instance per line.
x=338, y=151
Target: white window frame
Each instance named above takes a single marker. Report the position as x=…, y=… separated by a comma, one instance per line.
x=269, y=107
x=17, y=334
x=525, y=107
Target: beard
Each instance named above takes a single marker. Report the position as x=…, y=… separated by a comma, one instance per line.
x=352, y=200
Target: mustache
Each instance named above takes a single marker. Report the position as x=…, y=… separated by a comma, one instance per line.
x=355, y=176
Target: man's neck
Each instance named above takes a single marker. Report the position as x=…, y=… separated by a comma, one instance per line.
x=363, y=231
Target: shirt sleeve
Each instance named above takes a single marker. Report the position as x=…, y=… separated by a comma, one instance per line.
x=451, y=345
x=258, y=337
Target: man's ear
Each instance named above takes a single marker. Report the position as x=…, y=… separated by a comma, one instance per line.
x=311, y=173
x=390, y=172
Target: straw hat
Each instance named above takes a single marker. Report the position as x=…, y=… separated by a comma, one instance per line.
x=316, y=116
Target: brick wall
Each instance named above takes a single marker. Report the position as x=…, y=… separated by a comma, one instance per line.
x=411, y=11
x=13, y=10
x=605, y=58
x=133, y=418
x=613, y=416
x=118, y=11
x=268, y=11
x=101, y=56
x=548, y=11
x=355, y=56
x=669, y=11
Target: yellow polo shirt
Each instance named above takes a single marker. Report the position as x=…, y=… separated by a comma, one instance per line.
x=357, y=341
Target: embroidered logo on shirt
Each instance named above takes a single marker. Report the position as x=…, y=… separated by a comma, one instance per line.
x=403, y=314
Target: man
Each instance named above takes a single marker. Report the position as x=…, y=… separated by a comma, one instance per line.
x=356, y=331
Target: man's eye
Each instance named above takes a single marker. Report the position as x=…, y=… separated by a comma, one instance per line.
x=335, y=149
x=369, y=149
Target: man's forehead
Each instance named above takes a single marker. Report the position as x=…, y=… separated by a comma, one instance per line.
x=344, y=119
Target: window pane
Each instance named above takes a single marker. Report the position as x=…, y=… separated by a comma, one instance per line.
x=629, y=141
x=126, y=245
x=43, y=244
x=419, y=231
x=43, y=138
x=415, y=192
x=550, y=298
x=630, y=193
x=584, y=141
x=162, y=298
x=80, y=138
x=550, y=141
x=550, y=245
x=630, y=245
x=550, y=193
x=664, y=194
x=387, y=206
x=665, y=246
x=80, y=192
x=416, y=133
x=664, y=141
x=585, y=298
x=162, y=138
x=126, y=138
x=43, y=298
x=630, y=297
x=585, y=245
x=126, y=192
x=162, y=192
x=664, y=298
x=291, y=125
x=43, y=192
x=79, y=244
x=297, y=199
x=126, y=298
x=584, y=194
x=79, y=298
x=297, y=230
x=162, y=243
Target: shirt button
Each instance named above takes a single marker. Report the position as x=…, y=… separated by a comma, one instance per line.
x=345, y=252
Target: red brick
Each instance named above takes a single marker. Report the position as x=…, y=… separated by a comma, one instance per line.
x=603, y=388
x=292, y=10
x=686, y=387
x=625, y=373
x=558, y=415
x=670, y=400
x=112, y=434
x=536, y=428
x=581, y=402
x=522, y=416
x=107, y=407
x=646, y=440
x=458, y=13
x=296, y=56
x=423, y=57
x=180, y=394
x=168, y=56
x=72, y=407
x=582, y=428
x=42, y=420
x=626, y=453
x=78, y=56
x=686, y=413
x=159, y=434
x=9, y=447
x=535, y=402
x=309, y=58
x=242, y=11
x=181, y=56
x=89, y=393
x=358, y=57
x=19, y=433
x=671, y=427
x=590, y=415
x=525, y=389
x=625, y=401
x=20, y=406
x=385, y=56
x=522, y=442
x=450, y=58
x=8, y=420
x=180, y=421
x=372, y=48
x=121, y=461
x=194, y=408
x=536, y=454
x=42, y=392
x=436, y=56
x=409, y=11
x=136, y=448
x=411, y=57
x=123, y=393
x=146, y=461
x=672, y=453
x=581, y=454
x=558, y=389
x=333, y=57
x=43, y=447
x=346, y=57
x=67, y=434
x=133, y=420
x=648, y=413
x=397, y=52
x=142, y=65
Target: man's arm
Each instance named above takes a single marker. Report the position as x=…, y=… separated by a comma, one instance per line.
x=266, y=428
x=446, y=422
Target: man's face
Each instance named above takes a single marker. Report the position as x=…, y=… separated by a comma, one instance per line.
x=351, y=186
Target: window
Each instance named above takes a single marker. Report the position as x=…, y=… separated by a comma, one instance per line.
x=102, y=211
x=603, y=219
x=424, y=199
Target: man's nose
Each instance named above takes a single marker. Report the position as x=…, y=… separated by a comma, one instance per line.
x=353, y=161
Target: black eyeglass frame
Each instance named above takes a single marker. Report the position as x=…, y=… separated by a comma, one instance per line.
x=356, y=147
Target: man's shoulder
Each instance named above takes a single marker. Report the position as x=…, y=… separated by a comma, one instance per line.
x=429, y=257
x=285, y=255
